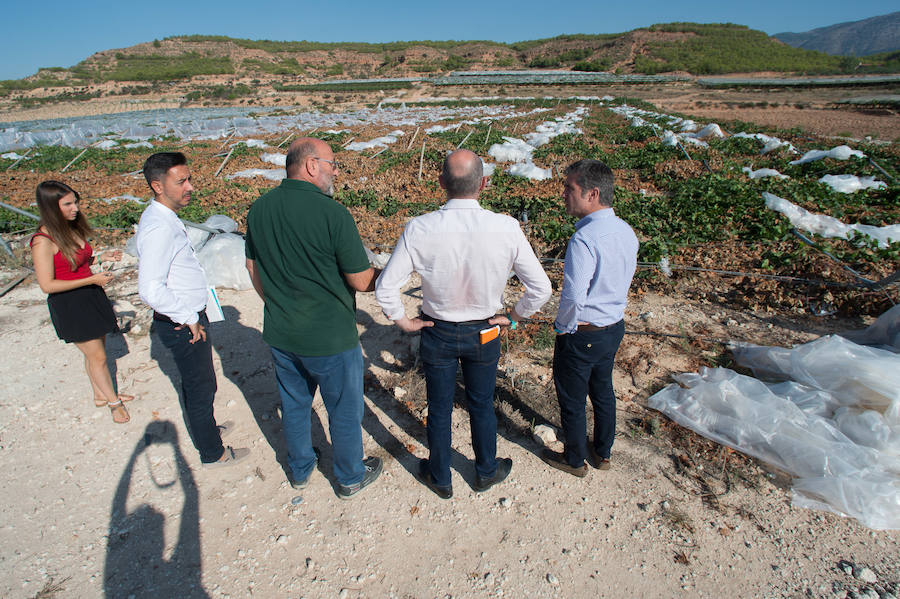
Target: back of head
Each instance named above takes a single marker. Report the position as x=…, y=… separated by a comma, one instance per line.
x=589, y=174
x=157, y=165
x=64, y=232
x=299, y=151
x=462, y=174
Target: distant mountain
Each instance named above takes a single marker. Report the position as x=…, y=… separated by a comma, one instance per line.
x=856, y=38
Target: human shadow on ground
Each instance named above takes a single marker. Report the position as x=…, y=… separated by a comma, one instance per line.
x=247, y=362
x=136, y=564
x=375, y=339
x=116, y=347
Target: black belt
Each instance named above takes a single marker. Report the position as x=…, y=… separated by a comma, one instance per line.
x=164, y=318
x=463, y=323
x=590, y=327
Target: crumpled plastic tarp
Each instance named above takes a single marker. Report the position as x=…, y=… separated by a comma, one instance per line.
x=883, y=333
x=828, y=226
x=851, y=183
x=837, y=432
x=837, y=152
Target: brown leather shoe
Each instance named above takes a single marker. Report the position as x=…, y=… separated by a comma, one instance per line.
x=558, y=461
x=596, y=461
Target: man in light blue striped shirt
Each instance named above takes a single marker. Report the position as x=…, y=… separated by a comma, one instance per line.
x=600, y=262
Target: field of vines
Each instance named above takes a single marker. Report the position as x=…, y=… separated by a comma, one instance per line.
x=693, y=207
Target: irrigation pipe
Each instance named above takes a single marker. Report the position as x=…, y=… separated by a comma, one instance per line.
x=872, y=162
x=868, y=283
x=14, y=282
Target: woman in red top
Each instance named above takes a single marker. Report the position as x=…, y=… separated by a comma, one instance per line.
x=79, y=309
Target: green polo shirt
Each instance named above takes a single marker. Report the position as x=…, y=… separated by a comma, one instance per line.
x=302, y=242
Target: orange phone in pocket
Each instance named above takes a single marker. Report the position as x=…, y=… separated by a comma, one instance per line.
x=488, y=335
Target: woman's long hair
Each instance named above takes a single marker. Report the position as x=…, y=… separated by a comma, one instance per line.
x=65, y=233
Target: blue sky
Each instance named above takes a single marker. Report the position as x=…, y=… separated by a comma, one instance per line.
x=35, y=33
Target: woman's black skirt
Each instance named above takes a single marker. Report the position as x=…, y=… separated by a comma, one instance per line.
x=82, y=314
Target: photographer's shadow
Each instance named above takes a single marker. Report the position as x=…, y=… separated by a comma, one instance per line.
x=247, y=362
x=136, y=565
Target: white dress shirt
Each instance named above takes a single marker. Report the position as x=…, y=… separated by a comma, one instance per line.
x=464, y=254
x=170, y=278
x=600, y=262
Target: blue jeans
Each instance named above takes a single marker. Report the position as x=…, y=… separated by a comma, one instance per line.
x=582, y=367
x=443, y=348
x=339, y=378
x=198, y=384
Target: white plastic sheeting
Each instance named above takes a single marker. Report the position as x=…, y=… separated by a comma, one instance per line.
x=838, y=153
x=222, y=254
x=769, y=143
x=379, y=142
x=851, y=183
x=763, y=172
x=272, y=174
x=828, y=226
x=883, y=333
x=218, y=123
x=277, y=159
x=838, y=434
x=519, y=151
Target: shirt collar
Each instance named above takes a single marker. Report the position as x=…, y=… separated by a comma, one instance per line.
x=461, y=204
x=163, y=209
x=595, y=215
x=299, y=185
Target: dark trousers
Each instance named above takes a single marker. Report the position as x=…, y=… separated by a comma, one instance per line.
x=198, y=385
x=582, y=367
x=444, y=347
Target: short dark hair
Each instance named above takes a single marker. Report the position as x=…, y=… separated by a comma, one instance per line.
x=157, y=165
x=297, y=155
x=593, y=173
x=462, y=182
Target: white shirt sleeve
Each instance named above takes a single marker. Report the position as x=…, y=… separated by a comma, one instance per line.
x=537, y=285
x=392, y=279
x=156, y=251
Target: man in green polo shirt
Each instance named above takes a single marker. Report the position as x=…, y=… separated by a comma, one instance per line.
x=306, y=262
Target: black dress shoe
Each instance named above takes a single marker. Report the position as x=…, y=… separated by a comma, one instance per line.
x=504, y=465
x=558, y=461
x=424, y=476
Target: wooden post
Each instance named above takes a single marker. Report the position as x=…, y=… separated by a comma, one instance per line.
x=223, y=163
x=230, y=135
x=409, y=146
x=488, y=136
x=464, y=139
x=378, y=152
x=422, y=158
x=74, y=160
x=24, y=156
x=348, y=142
x=284, y=141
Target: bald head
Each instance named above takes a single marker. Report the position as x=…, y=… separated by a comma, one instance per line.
x=463, y=175
x=310, y=159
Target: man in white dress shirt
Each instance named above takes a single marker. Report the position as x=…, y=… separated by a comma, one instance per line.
x=463, y=254
x=172, y=282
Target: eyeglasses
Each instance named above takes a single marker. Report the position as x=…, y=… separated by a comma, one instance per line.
x=334, y=163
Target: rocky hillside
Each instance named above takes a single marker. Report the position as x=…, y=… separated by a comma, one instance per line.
x=856, y=38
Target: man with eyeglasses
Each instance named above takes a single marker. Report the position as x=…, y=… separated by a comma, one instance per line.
x=306, y=261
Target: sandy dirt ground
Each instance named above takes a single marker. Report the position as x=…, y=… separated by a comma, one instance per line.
x=91, y=508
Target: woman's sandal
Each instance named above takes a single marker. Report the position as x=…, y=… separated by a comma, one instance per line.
x=116, y=407
x=102, y=403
